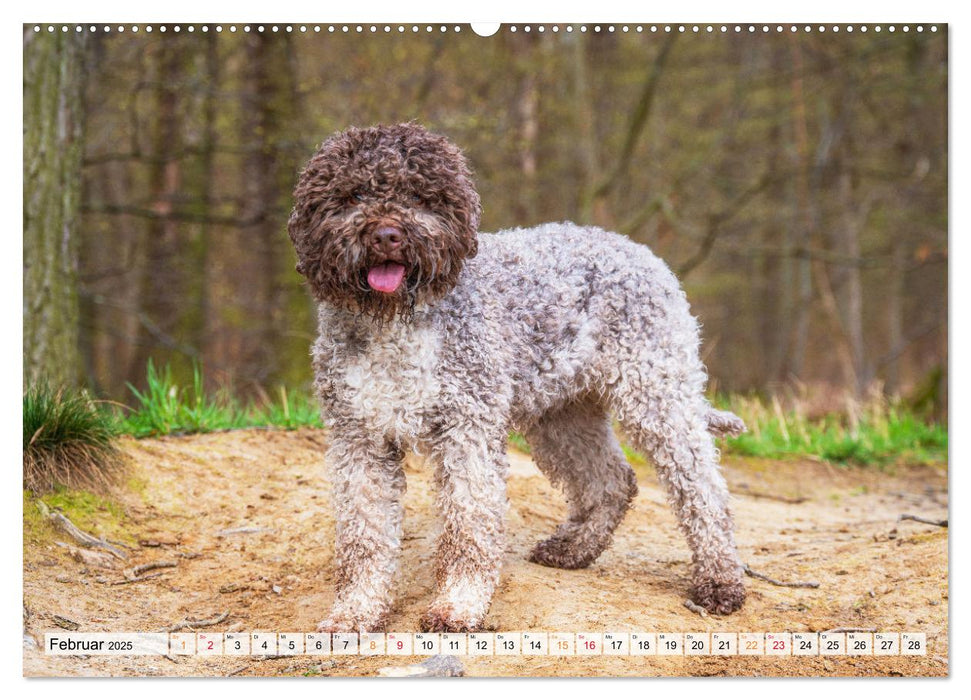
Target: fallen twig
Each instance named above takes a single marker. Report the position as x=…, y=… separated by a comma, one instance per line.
x=784, y=584
x=243, y=531
x=142, y=568
x=76, y=533
x=65, y=623
x=89, y=557
x=837, y=630
x=193, y=624
x=926, y=521
x=695, y=608
x=772, y=497
x=135, y=579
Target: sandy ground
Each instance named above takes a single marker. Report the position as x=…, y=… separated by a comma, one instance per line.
x=797, y=521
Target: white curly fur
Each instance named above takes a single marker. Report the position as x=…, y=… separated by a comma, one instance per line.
x=550, y=331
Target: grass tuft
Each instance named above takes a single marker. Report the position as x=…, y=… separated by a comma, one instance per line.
x=874, y=431
x=877, y=431
x=166, y=408
x=68, y=441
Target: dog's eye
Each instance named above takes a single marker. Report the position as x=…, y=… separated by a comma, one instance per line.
x=358, y=195
x=417, y=198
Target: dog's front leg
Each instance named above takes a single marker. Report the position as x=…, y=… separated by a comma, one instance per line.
x=471, y=475
x=368, y=482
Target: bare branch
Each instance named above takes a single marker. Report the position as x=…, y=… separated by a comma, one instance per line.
x=638, y=121
x=926, y=521
x=784, y=584
x=185, y=216
x=194, y=624
x=716, y=220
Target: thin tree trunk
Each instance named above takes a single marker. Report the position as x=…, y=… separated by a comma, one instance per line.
x=586, y=140
x=777, y=299
x=528, y=132
x=197, y=318
x=526, y=64
x=53, y=148
x=161, y=291
x=803, y=270
x=271, y=103
x=895, y=314
x=593, y=199
x=852, y=287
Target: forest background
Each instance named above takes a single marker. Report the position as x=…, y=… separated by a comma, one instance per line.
x=796, y=182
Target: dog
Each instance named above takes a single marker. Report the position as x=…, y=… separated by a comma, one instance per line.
x=435, y=338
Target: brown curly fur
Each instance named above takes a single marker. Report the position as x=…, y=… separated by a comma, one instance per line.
x=399, y=175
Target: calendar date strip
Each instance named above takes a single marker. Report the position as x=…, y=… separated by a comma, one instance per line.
x=837, y=642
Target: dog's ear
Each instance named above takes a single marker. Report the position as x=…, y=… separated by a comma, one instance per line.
x=470, y=214
x=446, y=168
x=295, y=231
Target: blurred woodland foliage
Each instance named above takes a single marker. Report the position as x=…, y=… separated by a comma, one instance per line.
x=797, y=183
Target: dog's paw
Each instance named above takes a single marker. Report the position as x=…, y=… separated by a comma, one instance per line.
x=561, y=553
x=719, y=598
x=349, y=623
x=332, y=624
x=444, y=619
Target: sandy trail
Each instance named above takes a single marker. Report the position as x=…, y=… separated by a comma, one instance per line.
x=796, y=521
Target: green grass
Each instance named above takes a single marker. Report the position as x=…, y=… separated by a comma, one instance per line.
x=68, y=441
x=166, y=408
x=519, y=442
x=877, y=431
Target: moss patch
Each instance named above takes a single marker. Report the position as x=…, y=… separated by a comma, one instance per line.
x=93, y=513
x=37, y=528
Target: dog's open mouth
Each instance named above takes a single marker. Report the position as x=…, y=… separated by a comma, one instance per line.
x=386, y=277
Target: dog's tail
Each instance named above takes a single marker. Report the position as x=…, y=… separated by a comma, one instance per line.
x=725, y=423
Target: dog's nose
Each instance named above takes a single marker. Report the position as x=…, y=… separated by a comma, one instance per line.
x=386, y=239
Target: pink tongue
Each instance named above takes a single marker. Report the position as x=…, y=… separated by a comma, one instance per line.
x=386, y=277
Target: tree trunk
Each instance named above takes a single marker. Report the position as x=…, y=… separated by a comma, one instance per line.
x=525, y=61
x=53, y=145
x=803, y=237
x=161, y=303
x=585, y=128
x=196, y=321
x=852, y=220
x=896, y=289
x=270, y=105
x=593, y=202
x=528, y=131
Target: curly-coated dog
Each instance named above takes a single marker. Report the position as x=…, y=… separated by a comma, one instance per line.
x=439, y=339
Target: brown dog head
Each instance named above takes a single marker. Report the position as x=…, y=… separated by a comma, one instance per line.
x=384, y=218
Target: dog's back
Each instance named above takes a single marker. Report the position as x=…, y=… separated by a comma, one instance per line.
x=574, y=305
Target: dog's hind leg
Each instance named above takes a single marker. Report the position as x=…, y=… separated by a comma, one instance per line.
x=665, y=414
x=576, y=448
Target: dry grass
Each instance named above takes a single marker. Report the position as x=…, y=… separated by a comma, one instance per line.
x=68, y=441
